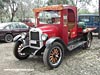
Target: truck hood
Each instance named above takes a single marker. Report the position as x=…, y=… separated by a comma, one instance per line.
x=50, y=30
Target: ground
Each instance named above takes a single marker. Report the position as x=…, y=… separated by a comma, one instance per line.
x=77, y=62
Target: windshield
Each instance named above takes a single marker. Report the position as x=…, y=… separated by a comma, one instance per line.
x=49, y=17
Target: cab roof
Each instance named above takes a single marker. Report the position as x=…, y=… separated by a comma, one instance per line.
x=53, y=7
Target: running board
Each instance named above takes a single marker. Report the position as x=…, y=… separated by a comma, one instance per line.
x=75, y=45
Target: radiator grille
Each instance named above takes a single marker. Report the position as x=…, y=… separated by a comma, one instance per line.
x=35, y=37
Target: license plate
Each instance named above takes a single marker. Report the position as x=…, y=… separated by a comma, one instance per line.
x=34, y=42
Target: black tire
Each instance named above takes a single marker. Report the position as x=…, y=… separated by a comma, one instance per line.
x=99, y=33
x=53, y=56
x=8, y=38
x=89, y=41
x=18, y=54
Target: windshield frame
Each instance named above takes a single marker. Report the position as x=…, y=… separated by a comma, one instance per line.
x=57, y=11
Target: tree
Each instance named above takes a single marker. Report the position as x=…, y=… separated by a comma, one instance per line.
x=13, y=7
x=1, y=4
x=8, y=8
x=2, y=11
x=79, y=3
x=82, y=11
x=38, y=3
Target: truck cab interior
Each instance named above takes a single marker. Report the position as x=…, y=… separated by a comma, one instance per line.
x=71, y=23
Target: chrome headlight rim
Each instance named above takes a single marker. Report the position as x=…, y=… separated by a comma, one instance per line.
x=44, y=37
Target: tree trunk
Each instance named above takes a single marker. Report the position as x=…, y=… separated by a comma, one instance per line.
x=12, y=17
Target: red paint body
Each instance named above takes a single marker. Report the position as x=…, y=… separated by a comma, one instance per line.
x=61, y=30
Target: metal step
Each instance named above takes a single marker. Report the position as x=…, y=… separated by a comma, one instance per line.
x=75, y=45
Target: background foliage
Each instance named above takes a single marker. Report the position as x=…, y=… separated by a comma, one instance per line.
x=15, y=10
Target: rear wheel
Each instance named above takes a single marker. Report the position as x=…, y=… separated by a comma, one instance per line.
x=89, y=41
x=8, y=38
x=99, y=33
x=17, y=51
x=53, y=56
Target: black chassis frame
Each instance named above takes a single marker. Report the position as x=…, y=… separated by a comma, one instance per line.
x=28, y=50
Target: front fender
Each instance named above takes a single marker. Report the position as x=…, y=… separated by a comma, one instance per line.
x=16, y=38
x=50, y=41
x=21, y=36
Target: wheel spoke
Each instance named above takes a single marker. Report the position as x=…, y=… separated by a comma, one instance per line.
x=56, y=51
x=19, y=50
x=54, y=61
x=50, y=57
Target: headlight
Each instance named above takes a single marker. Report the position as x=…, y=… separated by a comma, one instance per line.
x=44, y=37
x=23, y=35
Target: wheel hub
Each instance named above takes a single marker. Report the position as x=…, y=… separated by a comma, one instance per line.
x=55, y=55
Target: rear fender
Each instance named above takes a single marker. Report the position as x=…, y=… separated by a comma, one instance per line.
x=86, y=30
x=88, y=33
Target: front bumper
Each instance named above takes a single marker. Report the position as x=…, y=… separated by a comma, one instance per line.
x=33, y=51
x=28, y=50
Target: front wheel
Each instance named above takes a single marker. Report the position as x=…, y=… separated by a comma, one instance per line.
x=53, y=56
x=17, y=51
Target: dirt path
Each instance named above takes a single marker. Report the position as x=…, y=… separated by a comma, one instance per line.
x=78, y=62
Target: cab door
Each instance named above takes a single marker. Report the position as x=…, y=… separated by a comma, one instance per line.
x=72, y=25
x=65, y=34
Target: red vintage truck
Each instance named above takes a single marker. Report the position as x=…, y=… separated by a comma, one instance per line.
x=56, y=32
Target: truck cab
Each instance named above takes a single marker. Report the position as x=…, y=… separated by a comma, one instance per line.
x=56, y=31
x=62, y=18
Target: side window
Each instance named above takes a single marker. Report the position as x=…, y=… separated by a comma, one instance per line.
x=22, y=26
x=84, y=19
x=96, y=19
x=8, y=27
x=15, y=26
x=65, y=19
